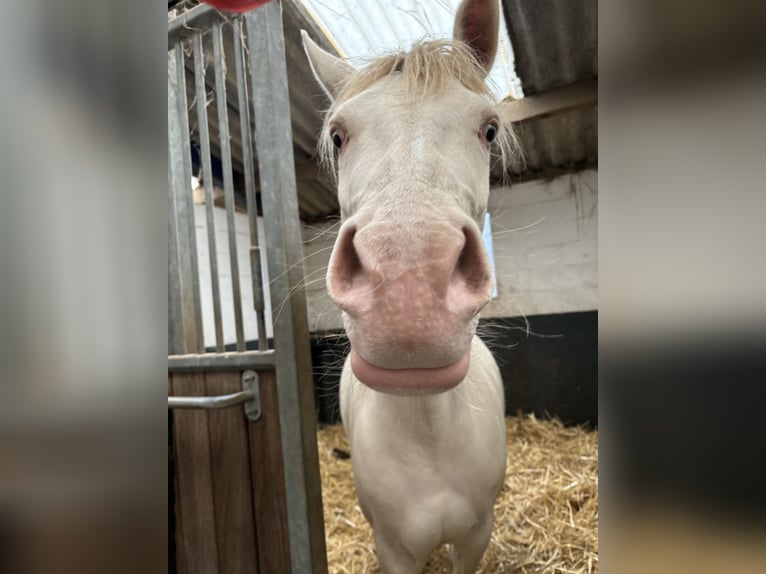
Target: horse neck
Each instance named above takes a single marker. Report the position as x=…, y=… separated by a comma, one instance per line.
x=432, y=414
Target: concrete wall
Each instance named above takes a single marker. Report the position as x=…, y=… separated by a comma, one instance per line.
x=224, y=273
x=545, y=245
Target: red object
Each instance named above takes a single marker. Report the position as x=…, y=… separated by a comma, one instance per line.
x=236, y=5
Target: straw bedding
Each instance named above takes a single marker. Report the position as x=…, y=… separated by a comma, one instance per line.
x=546, y=518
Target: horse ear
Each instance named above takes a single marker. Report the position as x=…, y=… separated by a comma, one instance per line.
x=331, y=72
x=476, y=24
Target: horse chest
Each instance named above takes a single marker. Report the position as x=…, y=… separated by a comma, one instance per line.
x=434, y=463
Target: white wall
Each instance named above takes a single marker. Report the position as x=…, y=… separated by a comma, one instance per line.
x=545, y=235
x=545, y=244
x=224, y=272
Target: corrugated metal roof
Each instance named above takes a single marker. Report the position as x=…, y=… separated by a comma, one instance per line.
x=555, y=41
x=360, y=31
x=556, y=44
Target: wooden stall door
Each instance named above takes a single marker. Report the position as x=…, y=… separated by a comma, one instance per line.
x=229, y=490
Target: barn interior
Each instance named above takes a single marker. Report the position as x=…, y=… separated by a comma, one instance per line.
x=542, y=325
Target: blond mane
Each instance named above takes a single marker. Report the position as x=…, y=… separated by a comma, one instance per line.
x=426, y=69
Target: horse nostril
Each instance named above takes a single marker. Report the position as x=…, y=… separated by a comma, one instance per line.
x=444, y=270
x=352, y=275
x=345, y=264
x=472, y=264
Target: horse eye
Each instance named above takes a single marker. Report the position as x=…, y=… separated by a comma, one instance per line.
x=490, y=132
x=338, y=137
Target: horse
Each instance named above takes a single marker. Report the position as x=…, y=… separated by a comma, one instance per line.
x=410, y=137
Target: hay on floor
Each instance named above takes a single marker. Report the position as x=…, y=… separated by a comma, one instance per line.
x=546, y=518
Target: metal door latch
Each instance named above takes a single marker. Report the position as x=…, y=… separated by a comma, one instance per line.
x=250, y=396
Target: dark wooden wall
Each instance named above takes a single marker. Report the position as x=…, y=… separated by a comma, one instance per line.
x=550, y=371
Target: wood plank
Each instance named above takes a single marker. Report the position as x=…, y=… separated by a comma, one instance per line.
x=269, y=492
x=551, y=102
x=175, y=532
x=232, y=486
x=195, y=516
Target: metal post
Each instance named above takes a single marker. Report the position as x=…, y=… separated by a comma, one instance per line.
x=228, y=183
x=207, y=180
x=297, y=417
x=247, y=160
x=185, y=323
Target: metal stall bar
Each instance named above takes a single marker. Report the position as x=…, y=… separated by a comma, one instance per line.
x=249, y=396
x=210, y=403
x=295, y=390
x=185, y=319
x=198, y=19
x=221, y=361
x=175, y=332
x=228, y=184
x=207, y=180
x=247, y=160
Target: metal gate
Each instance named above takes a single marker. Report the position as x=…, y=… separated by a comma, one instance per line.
x=244, y=468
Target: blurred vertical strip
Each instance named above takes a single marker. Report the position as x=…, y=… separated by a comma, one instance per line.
x=682, y=285
x=83, y=226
